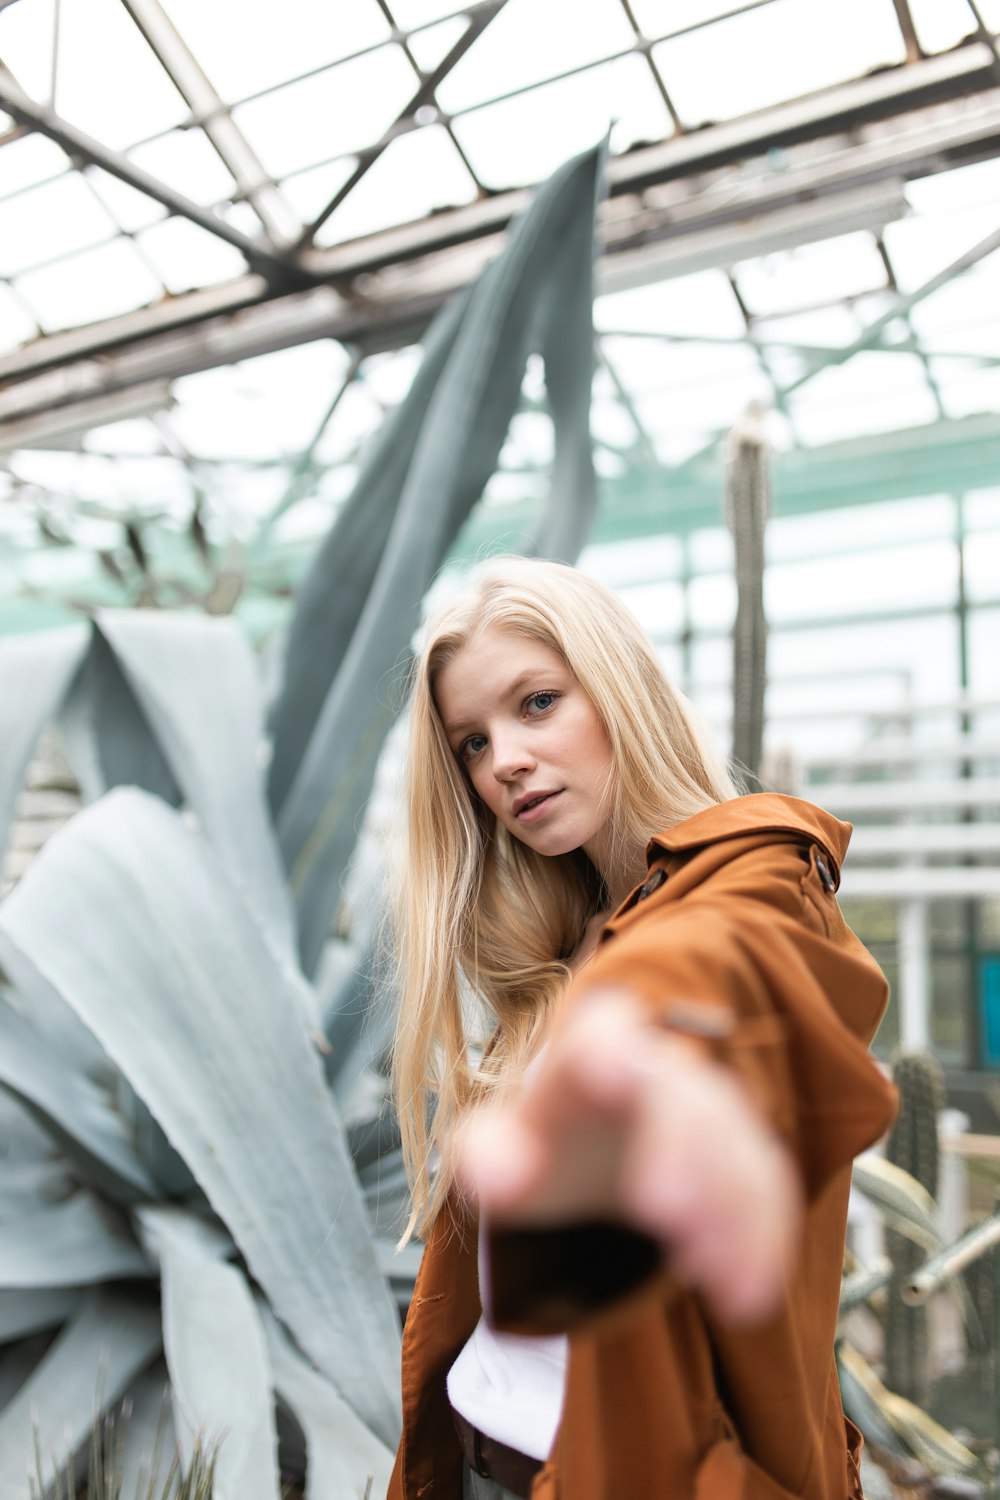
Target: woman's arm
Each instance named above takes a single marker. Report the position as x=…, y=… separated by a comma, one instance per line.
x=622, y=1121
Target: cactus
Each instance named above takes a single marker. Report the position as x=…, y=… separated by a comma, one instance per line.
x=912, y=1145
x=748, y=503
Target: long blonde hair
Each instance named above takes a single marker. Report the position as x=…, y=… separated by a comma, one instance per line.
x=482, y=922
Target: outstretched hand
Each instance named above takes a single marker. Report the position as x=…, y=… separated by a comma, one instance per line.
x=621, y=1120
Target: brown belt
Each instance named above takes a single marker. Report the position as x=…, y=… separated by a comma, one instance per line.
x=494, y=1460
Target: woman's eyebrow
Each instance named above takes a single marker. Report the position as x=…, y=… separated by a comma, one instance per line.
x=459, y=726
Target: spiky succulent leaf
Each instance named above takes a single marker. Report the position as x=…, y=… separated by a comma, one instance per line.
x=111, y=1337
x=28, y=1310
x=75, y=1243
x=220, y=1373
x=35, y=671
x=342, y=1455
x=461, y=433
x=76, y=1111
x=214, y=1042
x=196, y=683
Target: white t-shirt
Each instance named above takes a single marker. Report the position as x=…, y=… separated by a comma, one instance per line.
x=509, y=1386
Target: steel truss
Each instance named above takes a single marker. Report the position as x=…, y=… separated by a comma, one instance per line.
x=698, y=199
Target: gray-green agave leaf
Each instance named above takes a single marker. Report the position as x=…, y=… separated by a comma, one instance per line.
x=35, y=671
x=220, y=1373
x=342, y=1454
x=164, y=962
x=75, y=1109
x=111, y=1337
x=461, y=430
x=74, y=1243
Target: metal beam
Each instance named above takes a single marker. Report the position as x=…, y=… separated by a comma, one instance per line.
x=232, y=147
x=54, y=427
x=906, y=26
x=54, y=397
x=950, y=140
x=279, y=270
x=424, y=95
x=410, y=270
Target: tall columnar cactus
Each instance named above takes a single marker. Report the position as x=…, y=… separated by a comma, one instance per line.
x=748, y=503
x=913, y=1145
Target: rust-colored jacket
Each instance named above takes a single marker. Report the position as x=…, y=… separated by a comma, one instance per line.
x=662, y=1400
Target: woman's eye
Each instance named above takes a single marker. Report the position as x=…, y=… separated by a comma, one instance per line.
x=539, y=702
x=472, y=746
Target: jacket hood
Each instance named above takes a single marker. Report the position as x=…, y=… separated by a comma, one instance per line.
x=762, y=812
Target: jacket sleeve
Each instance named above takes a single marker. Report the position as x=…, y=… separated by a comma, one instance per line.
x=750, y=954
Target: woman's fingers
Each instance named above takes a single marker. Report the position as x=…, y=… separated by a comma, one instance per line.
x=620, y=1120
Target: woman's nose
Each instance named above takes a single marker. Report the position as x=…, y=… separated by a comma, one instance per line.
x=511, y=757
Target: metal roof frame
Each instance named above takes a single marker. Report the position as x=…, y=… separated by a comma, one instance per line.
x=379, y=291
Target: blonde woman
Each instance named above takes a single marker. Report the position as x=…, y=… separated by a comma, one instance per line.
x=631, y=1072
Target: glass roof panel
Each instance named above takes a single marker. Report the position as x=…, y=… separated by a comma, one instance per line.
x=245, y=46
x=124, y=437
x=28, y=42
x=660, y=18
x=962, y=187
x=185, y=256
x=793, y=280
x=941, y=23
x=388, y=376
x=531, y=41
x=186, y=161
x=332, y=113
x=796, y=48
x=611, y=424
x=115, y=279
x=818, y=330
x=982, y=509
x=682, y=364
x=524, y=138
x=873, y=392
x=701, y=304
x=410, y=13
x=435, y=42
x=30, y=160
x=108, y=81
x=702, y=388
x=130, y=208
x=920, y=249
x=48, y=221
x=963, y=316
x=308, y=193
x=966, y=387
x=16, y=326
x=416, y=174
x=262, y=408
x=358, y=413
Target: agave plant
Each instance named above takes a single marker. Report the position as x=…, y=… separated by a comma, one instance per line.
x=193, y=1179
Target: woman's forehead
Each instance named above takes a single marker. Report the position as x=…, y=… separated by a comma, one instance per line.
x=493, y=665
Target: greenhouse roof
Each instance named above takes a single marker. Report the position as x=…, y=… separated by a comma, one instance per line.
x=223, y=227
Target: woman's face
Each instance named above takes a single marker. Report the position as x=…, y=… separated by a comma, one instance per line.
x=531, y=742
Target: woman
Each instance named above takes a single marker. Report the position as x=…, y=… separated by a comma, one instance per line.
x=675, y=1083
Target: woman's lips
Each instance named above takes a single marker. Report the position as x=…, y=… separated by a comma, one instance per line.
x=535, y=810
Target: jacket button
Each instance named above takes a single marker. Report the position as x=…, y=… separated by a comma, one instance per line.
x=652, y=883
x=826, y=878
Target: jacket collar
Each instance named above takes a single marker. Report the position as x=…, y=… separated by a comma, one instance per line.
x=762, y=812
